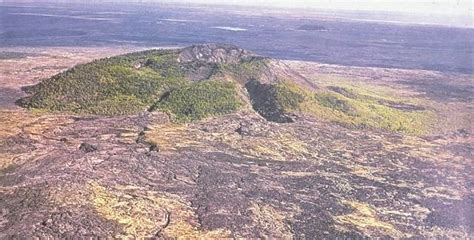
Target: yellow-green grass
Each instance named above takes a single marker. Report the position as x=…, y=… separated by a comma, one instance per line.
x=358, y=107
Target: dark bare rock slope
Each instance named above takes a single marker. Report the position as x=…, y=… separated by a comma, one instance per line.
x=213, y=141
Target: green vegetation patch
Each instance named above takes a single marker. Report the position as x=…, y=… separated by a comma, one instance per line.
x=113, y=86
x=274, y=101
x=335, y=102
x=368, y=112
x=348, y=106
x=246, y=70
x=131, y=83
x=200, y=100
x=354, y=107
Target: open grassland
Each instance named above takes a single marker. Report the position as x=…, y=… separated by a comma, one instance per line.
x=353, y=106
x=428, y=102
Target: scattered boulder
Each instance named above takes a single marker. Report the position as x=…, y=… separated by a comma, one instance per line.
x=244, y=129
x=87, y=148
x=154, y=148
x=250, y=128
x=463, y=132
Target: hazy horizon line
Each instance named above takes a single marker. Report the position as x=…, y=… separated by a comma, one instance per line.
x=300, y=4
x=438, y=19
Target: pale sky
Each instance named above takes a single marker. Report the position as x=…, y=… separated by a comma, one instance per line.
x=448, y=7
x=463, y=8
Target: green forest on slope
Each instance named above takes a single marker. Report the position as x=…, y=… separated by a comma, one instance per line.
x=132, y=83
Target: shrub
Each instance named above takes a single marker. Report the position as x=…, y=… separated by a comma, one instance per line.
x=200, y=100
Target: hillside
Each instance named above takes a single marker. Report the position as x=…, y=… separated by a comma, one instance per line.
x=336, y=152
x=210, y=80
x=158, y=79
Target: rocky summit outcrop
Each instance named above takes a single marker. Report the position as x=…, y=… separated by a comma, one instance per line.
x=216, y=53
x=219, y=60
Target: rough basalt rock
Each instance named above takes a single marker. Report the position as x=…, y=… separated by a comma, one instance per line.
x=215, y=53
x=87, y=148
